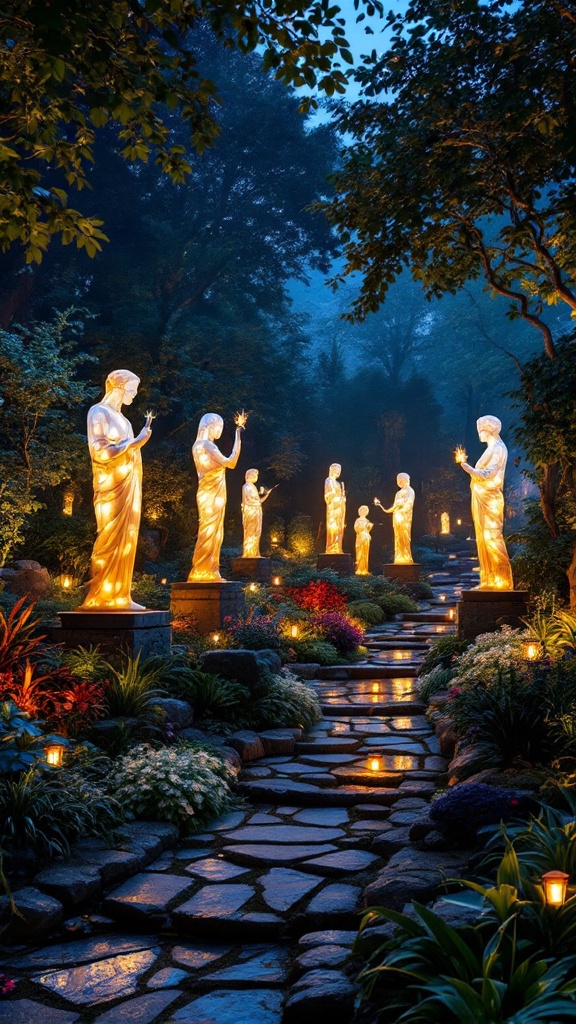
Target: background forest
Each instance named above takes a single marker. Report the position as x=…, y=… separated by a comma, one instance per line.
x=212, y=291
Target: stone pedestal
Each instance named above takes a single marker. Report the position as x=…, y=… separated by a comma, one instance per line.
x=484, y=611
x=251, y=569
x=146, y=632
x=209, y=603
x=342, y=564
x=402, y=572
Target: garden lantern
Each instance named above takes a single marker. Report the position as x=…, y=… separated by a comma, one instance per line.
x=441, y=597
x=451, y=614
x=67, y=582
x=531, y=650
x=376, y=687
x=294, y=632
x=54, y=751
x=375, y=764
x=164, y=581
x=555, y=883
x=458, y=522
x=276, y=581
x=215, y=638
x=252, y=588
x=274, y=538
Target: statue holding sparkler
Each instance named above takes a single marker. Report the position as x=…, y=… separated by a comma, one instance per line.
x=487, y=484
x=401, y=519
x=252, y=500
x=117, y=477
x=211, y=467
x=335, y=498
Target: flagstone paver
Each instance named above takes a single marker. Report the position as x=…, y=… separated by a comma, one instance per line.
x=323, y=815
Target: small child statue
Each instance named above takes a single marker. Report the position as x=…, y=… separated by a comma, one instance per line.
x=362, y=528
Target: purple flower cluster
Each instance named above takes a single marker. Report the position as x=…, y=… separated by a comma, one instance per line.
x=338, y=631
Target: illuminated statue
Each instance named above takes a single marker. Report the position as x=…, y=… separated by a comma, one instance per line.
x=252, y=500
x=401, y=519
x=362, y=528
x=117, y=477
x=335, y=498
x=445, y=522
x=211, y=466
x=486, y=484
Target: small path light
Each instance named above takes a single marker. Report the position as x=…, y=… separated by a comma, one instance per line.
x=67, y=582
x=252, y=588
x=375, y=764
x=54, y=750
x=531, y=650
x=441, y=597
x=215, y=638
x=276, y=581
x=555, y=883
x=451, y=614
x=294, y=631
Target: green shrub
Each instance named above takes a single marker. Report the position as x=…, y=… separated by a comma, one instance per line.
x=309, y=649
x=187, y=784
x=442, y=653
x=43, y=811
x=132, y=689
x=287, y=702
x=369, y=613
x=86, y=662
x=436, y=681
x=147, y=591
x=395, y=604
x=209, y=695
x=420, y=591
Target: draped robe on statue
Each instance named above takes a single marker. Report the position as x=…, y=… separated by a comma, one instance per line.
x=211, y=466
x=117, y=476
x=251, y=521
x=362, y=528
x=402, y=525
x=486, y=485
x=335, y=515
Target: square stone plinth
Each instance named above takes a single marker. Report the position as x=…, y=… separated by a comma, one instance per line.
x=251, y=569
x=145, y=633
x=209, y=603
x=484, y=611
x=402, y=572
x=342, y=564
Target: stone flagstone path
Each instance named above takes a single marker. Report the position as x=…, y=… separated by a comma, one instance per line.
x=265, y=904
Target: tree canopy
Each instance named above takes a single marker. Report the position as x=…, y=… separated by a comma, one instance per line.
x=462, y=155
x=67, y=69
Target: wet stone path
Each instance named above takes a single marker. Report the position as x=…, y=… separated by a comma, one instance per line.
x=252, y=921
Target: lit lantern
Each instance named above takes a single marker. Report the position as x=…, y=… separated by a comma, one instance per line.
x=164, y=581
x=67, y=582
x=215, y=638
x=555, y=883
x=458, y=522
x=441, y=597
x=451, y=614
x=531, y=650
x=294, y=632
x=252, y=588
x=274, y=538
x=276, y=581
x=375, y=764
x=55, y=753
x=376, y=687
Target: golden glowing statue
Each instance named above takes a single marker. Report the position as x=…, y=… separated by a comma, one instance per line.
x=362, y=528
x=445, y=522
x=486, y=484
x=402, y=519
x=252, y=500
x=117, y=476
x=211, y=466
x=335, y=498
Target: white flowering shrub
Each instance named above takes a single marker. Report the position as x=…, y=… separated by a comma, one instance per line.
x=183, y=784
x=491, y=654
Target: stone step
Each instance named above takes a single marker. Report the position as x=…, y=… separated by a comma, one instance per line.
x=303, y=794
x=382, y=708
x=365, y=670
x=328, y=745
x=430, y=616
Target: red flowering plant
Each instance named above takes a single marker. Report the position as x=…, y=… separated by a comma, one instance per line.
x=317, y=596
x=338, y=630
x=79, y=706
x=66, y=704
x=6, y=984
